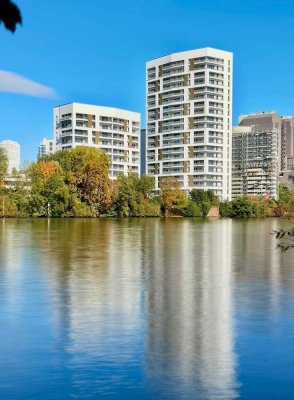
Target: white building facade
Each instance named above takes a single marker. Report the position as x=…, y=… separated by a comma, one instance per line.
x=12, y=150
x=113, y=130
x=189, y=119
x=46, y=148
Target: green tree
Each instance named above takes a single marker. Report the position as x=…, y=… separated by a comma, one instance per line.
x=48, y=193
x=3, y=165
x=205, y=199
x=198, y=195
x=174, y=200
x=133, y=197
x=262, y=207
x=205, y=207
x=192, y=210
x=86, y=172
x=242, y=207
x=226, y=209
x=286, y=195
x=285, y=204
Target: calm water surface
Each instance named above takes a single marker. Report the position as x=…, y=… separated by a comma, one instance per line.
x=145, y=309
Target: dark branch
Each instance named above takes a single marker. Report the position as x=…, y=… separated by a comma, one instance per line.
x=10, y=15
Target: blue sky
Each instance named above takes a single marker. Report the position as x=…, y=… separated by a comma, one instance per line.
x=95, y=52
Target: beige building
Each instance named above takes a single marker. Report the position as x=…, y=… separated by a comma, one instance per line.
x=255, y=161
x=284, y=126
x=189, y=119
x=288, y=134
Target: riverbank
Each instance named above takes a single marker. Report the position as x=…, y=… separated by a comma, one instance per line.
x=76, y=183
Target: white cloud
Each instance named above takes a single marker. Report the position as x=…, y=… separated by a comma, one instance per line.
x=13, y=83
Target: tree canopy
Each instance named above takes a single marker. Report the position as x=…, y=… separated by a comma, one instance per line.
x=3, y=164
x=10, y=15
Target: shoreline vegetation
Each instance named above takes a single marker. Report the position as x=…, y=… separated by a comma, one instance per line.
x=76, y=183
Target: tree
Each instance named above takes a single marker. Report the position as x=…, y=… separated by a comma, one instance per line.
x=9, y=14
x=48, y=187
x=144, y=185
x=225, y=209
x=192, y=210
x=242, y=207
x=285, y=204
x=86, y=172
x=205, y=199
x=174, y=200
x=133, y=197
x=3, y=165
x=198, y=195
x=205, y=207
x=46, y=169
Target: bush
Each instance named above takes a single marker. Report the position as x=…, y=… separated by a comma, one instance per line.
x=226, y=209
x=10, y=208
x=242, y=207
x=156, y=199
x=80, y=209
x=193, y=210
x=180, y=206
x=286, y=201
x=148, y=209
x=205, y=207
x=262, y=207
x=198, y=195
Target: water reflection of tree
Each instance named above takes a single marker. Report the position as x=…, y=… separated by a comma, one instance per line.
x=94, y=269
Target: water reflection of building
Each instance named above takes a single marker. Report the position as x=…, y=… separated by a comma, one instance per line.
x=100, y=281
x=14, y=241
x=191, y=329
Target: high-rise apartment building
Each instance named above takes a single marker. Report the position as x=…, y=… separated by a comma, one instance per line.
x=189, y=119
x=115, y=131
x=143, y=152
x=255, y=161
x=12, y=150
x=46, y=148
x=284, y=126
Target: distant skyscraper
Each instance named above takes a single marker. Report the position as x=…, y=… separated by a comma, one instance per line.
x=255, y=161
x=46, y=147
x=143, y=152
x=114, y=131
x=189, y=119
x=12, y=150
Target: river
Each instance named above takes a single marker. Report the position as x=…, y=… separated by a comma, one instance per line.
x=145, y=309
